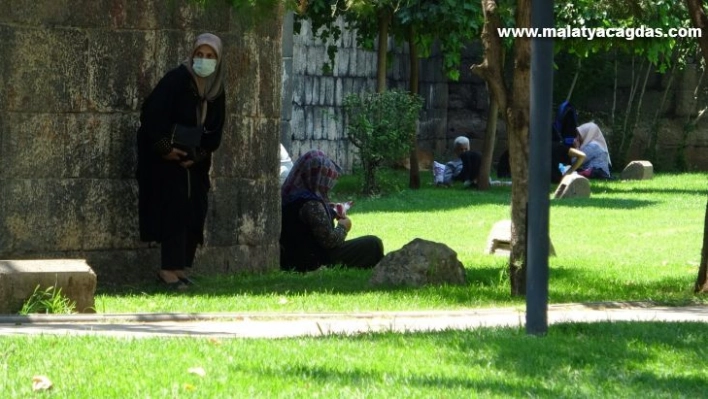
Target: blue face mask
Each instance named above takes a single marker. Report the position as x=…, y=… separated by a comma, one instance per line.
x=204, y=66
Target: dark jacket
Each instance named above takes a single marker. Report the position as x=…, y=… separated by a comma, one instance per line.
x=559, y=154
x=304, y=244
x=172, y=198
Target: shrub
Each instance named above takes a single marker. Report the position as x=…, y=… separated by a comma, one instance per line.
x=382, y=127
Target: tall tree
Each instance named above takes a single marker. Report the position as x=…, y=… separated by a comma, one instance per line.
x=698, y=18
x=513, y=99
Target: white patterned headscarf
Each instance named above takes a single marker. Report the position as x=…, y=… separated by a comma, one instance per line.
x=590, y=132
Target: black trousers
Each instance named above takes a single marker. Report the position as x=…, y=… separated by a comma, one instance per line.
x=471, y=163
x=361, y=252
x=178, y=250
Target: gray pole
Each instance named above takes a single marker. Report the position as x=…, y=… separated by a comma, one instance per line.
x=539, y=171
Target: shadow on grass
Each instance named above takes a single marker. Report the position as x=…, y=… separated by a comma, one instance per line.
x=618, y=359
x=605, y=203
x=604, y=353
x=614, y=189
x=483, y=284
x=433, y=199
x=487, y=286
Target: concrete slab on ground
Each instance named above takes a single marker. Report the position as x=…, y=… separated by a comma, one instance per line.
x=284, y=325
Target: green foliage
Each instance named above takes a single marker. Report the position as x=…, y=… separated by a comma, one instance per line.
x=380, y=126
x=648, y=14
x=49, y=300
x=451, y=23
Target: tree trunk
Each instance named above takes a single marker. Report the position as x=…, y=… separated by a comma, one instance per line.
x=702, y=280
x=491, y=70
x=650, y=151
x=384, y=22
x=614, y=97
x=516, y=113
x=699, y=20
x=575, y=79
x=369, y=177
x=414, y=177
x=490, y=138
x=518, y=132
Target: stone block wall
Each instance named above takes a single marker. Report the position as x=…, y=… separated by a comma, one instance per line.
x=317, y=119
x=73, y=77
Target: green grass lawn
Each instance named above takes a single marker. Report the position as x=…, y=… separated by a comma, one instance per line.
x=601, y=360
x=631, y=241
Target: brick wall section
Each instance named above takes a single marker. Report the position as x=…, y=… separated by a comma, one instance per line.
x=73, y=77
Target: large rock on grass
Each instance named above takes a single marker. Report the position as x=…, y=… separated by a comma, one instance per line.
x=418, y=263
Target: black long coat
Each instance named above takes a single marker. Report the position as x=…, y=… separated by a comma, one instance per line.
x=172, y=198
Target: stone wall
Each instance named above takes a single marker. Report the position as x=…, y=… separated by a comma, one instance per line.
x=317, y=119
x=72, y=80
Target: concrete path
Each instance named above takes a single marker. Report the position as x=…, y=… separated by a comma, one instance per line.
x=281, y=325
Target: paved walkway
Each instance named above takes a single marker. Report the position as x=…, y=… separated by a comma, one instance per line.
x=281, y=325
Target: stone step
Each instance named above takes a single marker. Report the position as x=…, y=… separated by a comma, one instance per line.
x=638, y=170
x=20, y=278
x=573, y=186
x=499, y=240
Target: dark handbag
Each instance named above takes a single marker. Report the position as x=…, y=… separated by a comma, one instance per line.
x=187, y=139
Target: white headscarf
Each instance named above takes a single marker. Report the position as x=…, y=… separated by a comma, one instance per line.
x=590, y=132
x=213, y=85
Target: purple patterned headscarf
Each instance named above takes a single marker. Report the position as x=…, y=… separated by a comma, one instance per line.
x=312, y=176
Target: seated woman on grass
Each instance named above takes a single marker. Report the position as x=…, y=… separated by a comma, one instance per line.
x=309, y=238
x=597, y=157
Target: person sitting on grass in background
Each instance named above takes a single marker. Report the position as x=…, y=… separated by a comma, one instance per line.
x=566, y=158
x=466, y=169
x=567, y=155
x=309, y=238
x=597, y=157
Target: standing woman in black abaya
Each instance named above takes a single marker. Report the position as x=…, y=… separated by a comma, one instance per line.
x=173, y=178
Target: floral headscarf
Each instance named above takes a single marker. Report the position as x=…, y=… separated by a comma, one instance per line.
x=312, y=176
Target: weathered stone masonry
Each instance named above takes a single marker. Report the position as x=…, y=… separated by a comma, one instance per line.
x=73, y=77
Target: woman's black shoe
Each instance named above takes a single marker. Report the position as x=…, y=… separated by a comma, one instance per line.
x=187, y=281
x=178, y=285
